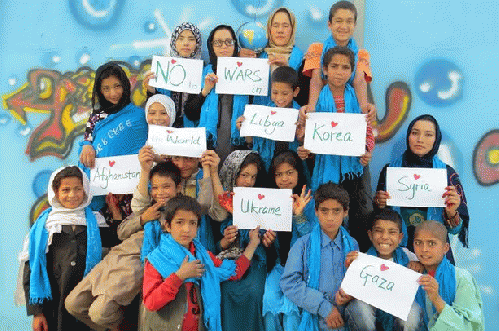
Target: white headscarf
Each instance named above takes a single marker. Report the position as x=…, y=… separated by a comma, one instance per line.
x=167, y=102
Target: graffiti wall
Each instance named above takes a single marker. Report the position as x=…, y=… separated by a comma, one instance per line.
x=427, y=58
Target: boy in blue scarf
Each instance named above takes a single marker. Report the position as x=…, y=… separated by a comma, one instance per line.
x=449, y=295
x=316, y=263
x=181, y=278
x=386, y=235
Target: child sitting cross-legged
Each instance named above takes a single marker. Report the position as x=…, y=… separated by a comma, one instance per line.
x=182, y=279
x=386, y=235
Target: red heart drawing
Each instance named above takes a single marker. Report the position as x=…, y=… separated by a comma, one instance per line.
x=334, y=124
x=416, y=177
x=169, y=131
x=383, y=267
x=239, y=63
x=111, y=163
x=273, y=112
x=261, y=196
x=173, y=61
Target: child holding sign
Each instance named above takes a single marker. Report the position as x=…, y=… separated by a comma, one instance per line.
x=182, y=279
x=449, y=295
x=315, y=267
x=386, y=235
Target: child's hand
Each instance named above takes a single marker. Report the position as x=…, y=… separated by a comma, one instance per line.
x=370, y=110
x=452, y=202
x=268, y=238
x=302, y=115
x=152, y=213
x=245, y=52
x=157, y=158
x=342, y=298
x=254, y=236
x=303, y=153
x=210, y=159
x=209, y=83
x=40, y=323
x=145, y=83
x=278, y=60
x=230, y=234
x=239, y=122
x=193, y=269
x=416, y=266
x=87, y=156
x=300, y=201
x=113, y=205
x=146, y=158
x=366, y=158
x=380, y=198
x=351, y=257
x=430, y=286
x=334, y=320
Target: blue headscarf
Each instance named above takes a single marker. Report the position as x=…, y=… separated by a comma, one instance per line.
x=352, y=45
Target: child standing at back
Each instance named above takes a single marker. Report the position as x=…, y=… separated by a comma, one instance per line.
x=449, y=295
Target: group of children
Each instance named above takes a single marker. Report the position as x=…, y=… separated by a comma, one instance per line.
x=178, y=250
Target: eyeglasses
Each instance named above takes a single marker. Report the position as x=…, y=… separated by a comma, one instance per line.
x=220, y=43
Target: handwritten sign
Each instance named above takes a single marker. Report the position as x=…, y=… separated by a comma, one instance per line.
x=245, y=76
x=177, y=74
x=189, y=142
x=269, y=122
x=116, y=174
x=382, y=284
x=416, y=187
x=269, y=208
x=337, y=134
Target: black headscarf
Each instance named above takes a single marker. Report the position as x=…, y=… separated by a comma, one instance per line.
x=409, y=159
x=105, y=71
x=209, y=41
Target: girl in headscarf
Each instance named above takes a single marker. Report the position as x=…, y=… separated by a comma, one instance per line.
x=423, y=141
x=185, y=42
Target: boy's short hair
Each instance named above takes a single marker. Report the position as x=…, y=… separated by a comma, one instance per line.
x=436, y=228
x=386, y=215
x=72, y=171
x=339, y=50
x=166, y=169
x=343, y=5
x=285, y=74
x=181, y=202
x=331, y=191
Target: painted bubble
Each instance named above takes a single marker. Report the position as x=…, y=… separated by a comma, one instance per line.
x=134, y=61
x=40, y=182
x=50, y=59
x=439, y=83
x=256, y=8
x=316, y=16
x=12, y=80
x=150, y=26
x=83, y=57
x=96, y=14
x=24, y=130
x=4, y=119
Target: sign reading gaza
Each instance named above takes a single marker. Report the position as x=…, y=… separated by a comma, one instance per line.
x=116, y=174
x=269, y=208
x=269, y=122
x=336, y=133
x=190, y=142
x=244, y=76
x=177, y=74
x=416, y=187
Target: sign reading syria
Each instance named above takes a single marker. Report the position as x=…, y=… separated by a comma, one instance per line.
x=177, y=74
x=241, y=75
x=116, y=174
x=269, y=122
x=190, y=142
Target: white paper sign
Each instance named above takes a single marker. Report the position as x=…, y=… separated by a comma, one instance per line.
x=189, y=142
x=416, y=187
x=177, y=74
x=242, y=75
x=382, y=284
x=337, y=134
x=273, y=123
x=269, y=208
x=116, y=174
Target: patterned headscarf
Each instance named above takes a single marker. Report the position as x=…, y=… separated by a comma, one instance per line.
x=176, y=33
x=231, y=168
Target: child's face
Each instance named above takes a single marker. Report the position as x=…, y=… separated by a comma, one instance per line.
x=342, y=25
x=185, y=43
x=157, y=115
x=385, y=236
x=286, y=176
x=111, y=89
x=429, y=249
x=281, y=29
x=70, y=194
x=331, y=215
x=247, y=176
x=338, y=71
x=422, y=137
x=183, y=227
x=282, y=94
x=220, y=47
x=163, y=188
x=187, y=165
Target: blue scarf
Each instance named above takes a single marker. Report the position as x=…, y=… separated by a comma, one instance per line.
x=294, y=61
x=266, y=147
x=168, y=257
x=446, y=278
x=39, y=280
x=310, y=322
x=336, y=168
x=210, y=113
x=352, y=45
x=433, y=213
x=187, y=123
x=205, y=233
